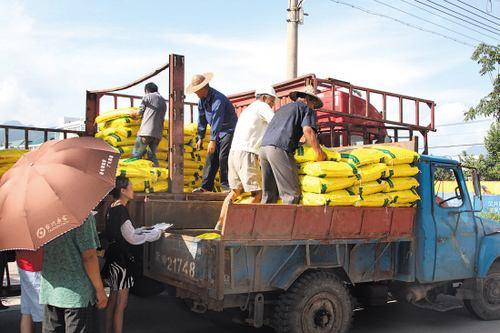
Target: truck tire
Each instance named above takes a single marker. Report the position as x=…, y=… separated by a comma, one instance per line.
x=317, y=302
x=486, y=304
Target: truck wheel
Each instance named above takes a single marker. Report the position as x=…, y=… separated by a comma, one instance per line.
x=316, y=302
x=486, y=304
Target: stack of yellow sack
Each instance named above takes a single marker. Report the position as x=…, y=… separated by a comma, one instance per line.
x=325, y=182
x=402, y=185
x=384, y=176
x=143, y=176
x=8, y=158
x=119, y=129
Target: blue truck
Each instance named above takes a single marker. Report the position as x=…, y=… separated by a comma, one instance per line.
x=304, y=268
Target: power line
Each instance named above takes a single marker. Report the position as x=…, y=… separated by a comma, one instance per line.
x=477, y=10
x=468, y=11
x=426, y=20
x=458, y=146
x=447, y=19
x=466, y=123
x=402, y=22
x=453, y=11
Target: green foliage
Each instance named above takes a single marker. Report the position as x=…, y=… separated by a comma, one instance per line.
x=491, y=215
x=488, y=166
x=488, y=56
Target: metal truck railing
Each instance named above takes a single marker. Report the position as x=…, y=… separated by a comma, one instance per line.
x=27, y=130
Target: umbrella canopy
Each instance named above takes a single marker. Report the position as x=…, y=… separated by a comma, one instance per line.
x=52, y=189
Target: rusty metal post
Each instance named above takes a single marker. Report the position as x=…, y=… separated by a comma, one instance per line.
x=26, y=139
x=6, y=138
x=176, y=123
x=92, y=111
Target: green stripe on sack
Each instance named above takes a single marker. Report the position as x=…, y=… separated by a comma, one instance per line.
x=385, y=151
x=391, y=183
x=123, y=173
x=129, y=133
x=386, y=202
x=350, y=192
x=323, y=188
x=354, y=169
x=118, y=139
x=350, y=157
x=300, y=151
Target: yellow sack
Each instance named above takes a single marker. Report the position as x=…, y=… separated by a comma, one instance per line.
x=305, y=153
x=371, y=172
x=141, y=184
x=362, y=156
x=401, y=184
x=335, y=198
x=329, y=169
x=194, y=157
x=163, y=145
x=10, y=156
x=374, y=200
x=188, y=149
x=125, y=151
x=191, y=129
x=402, y=170
x=209, y=236
x=325, y=185
x=4, y=169
x=197, y=174
x=116, y=141
x=115, y=114
x=121, y=122
x=367, y=188
x=412, y=204
x=397, y=155
x=121, y=132
x=137, y=163
x=161, y=173
x=134, y=172
x=404, y=197
x=159, y=186
x=162, y=155
x=163, y=164
x=190, y=140
x=193, y=165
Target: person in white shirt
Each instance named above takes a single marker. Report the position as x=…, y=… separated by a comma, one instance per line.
x=243, y=163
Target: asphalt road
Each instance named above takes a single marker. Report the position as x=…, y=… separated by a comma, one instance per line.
x=163, y=313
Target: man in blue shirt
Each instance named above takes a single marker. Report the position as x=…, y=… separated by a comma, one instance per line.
x=292, y=121
x=216, y=110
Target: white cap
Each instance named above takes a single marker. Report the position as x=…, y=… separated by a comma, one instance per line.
x=268, y=90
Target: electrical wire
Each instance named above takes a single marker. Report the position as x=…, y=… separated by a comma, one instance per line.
x=402, y=22
x=457, y=146
x=493, y=16
x=428, y=21
x=449, y=20
x=453, y=11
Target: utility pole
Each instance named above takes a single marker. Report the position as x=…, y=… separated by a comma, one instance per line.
x=295, y=17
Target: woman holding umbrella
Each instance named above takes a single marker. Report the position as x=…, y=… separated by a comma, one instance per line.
x=122, y=235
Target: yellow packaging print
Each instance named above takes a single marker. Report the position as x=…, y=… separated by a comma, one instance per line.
x=362, y=156
x=371, y=172
x=330, y=169
x=324, y=185
x=335, y=198
x=374, y=200
x=396, y=155
x=305, y=153
x=401, y=184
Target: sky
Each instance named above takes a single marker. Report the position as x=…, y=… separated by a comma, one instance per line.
x=51, y=52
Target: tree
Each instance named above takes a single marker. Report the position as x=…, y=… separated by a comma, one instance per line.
x=489, y=166
x=488, y=57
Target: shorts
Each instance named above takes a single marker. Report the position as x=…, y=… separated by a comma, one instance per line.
x=244, y=171
x=30, y=295
x=118, y=277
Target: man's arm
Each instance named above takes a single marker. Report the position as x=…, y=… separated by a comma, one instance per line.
x=91, y=264
x=202, y=125
x=312, y=139
x=217, y=118
x=139, y=112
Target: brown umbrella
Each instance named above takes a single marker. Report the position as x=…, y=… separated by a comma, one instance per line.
x=52, y=189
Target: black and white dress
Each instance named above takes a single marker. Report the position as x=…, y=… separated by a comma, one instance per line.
x=121, y=235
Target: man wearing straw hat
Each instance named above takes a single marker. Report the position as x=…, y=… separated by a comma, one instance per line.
x=216, y=110
x=291, y=122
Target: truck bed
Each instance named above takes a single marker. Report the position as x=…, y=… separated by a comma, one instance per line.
x=264, y=247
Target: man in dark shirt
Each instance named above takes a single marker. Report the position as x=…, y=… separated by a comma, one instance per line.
x=291, y=122
x=216, y=110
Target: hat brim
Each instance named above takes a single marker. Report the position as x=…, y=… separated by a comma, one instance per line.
x=318, y=104
x=190, y=89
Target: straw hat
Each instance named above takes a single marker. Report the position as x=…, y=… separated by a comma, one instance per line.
x=307, y=91
x=199, y=81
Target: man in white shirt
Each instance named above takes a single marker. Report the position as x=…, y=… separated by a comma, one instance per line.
x=243, y=165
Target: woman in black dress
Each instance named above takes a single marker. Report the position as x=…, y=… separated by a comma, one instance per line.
x=121, y=235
